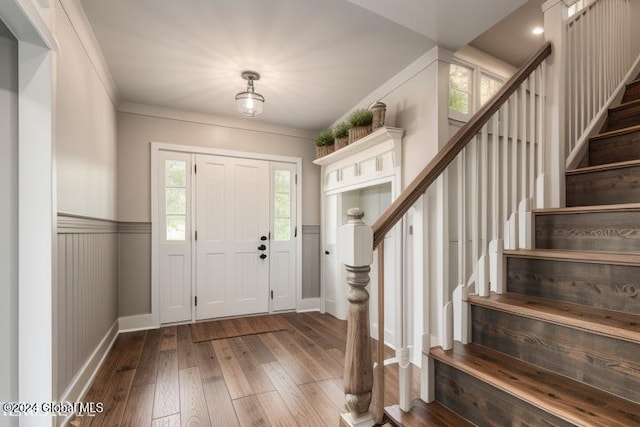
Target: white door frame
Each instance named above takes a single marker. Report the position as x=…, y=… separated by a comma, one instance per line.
x=36, y=201
x=156, y=147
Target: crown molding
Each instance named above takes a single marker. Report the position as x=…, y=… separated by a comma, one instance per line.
x=80, y=23
x=213, y=120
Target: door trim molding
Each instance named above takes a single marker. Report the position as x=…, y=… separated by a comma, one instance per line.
x=156, y=147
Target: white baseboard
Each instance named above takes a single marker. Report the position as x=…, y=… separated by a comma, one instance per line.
x=138, y=322
x=85, y=376
x=308, y=304
x=308, y=310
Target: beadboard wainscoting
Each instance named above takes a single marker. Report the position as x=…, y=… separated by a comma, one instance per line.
x=310, y=261
x=134, y=273
x=85, y=301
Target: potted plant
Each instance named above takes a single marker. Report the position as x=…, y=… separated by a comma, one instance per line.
x=341, y=135
x=360, y=121
x=324, y=143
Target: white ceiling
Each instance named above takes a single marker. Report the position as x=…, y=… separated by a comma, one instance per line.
x=317, y=58
x=511, y=39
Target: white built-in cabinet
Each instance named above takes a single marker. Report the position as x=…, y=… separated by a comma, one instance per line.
x=365, y=174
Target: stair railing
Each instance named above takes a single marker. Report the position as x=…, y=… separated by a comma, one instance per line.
x=593, y=39
x=488, y=174
x=598, y=45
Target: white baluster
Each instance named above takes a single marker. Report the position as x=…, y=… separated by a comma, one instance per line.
x=496, y=265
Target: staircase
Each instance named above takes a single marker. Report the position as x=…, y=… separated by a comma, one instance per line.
x=562, y=346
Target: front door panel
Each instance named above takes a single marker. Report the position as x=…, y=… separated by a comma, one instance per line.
x=232, y=214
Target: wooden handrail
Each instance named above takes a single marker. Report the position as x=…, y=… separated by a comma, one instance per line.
x=444, y=157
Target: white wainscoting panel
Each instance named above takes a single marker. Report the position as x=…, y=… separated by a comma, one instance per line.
x=310, y=262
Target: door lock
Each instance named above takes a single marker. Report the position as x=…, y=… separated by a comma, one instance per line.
x=262, y=247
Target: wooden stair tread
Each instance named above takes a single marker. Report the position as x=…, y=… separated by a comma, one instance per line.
x=633, y=83
x=617, y=258
x=589, y=209
x=565, y=398
x=604, y=167
x=425, y=414
x=624, y=106
x=613, y=324
x=617, y=132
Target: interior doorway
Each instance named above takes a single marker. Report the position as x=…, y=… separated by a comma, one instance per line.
x=372, y=199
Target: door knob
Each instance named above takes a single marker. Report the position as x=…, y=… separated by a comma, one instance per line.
x=263, y=256
x=326, y=252
x=262, y=248
x=263, y=237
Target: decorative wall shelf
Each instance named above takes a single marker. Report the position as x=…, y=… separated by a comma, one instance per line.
x=375, y=156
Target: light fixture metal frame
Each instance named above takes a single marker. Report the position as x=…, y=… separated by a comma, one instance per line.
x=250, y=77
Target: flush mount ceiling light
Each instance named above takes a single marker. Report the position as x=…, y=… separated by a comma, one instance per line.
x=249, y=103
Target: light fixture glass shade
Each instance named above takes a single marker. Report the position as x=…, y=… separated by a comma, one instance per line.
x=249, y=103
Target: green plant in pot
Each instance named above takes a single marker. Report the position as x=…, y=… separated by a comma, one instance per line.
x=360, y=121
x=341, y=134
x=324, y=143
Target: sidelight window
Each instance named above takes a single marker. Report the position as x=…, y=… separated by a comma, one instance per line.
x=175, y=200
x=282, y=205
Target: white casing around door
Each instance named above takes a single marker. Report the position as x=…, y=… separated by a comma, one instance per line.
x=232, y=214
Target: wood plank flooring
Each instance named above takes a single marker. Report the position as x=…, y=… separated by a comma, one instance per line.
x=291, y=377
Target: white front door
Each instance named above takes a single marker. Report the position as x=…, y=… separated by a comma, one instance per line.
x=174, y=208
x=283, y=238
x=232, y=226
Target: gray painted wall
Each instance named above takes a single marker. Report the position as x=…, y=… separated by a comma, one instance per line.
x=8, y=220
x=85, y=128
x=85, y=294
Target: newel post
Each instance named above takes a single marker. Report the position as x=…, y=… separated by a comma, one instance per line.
x=355, y=240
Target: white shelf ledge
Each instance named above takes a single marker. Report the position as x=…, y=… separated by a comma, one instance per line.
x=385, y=138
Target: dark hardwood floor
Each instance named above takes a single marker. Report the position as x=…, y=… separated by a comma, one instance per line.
x=290, y=378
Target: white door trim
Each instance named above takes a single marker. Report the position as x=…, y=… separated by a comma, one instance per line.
x=36, y=203
x=156, y=147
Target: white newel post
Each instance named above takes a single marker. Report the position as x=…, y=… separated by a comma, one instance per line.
x=355, y=240
x=555, y=17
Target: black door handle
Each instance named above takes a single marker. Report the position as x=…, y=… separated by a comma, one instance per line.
x=262, y=248
x=263, y=237
x=262, y=256
x=326, y=252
